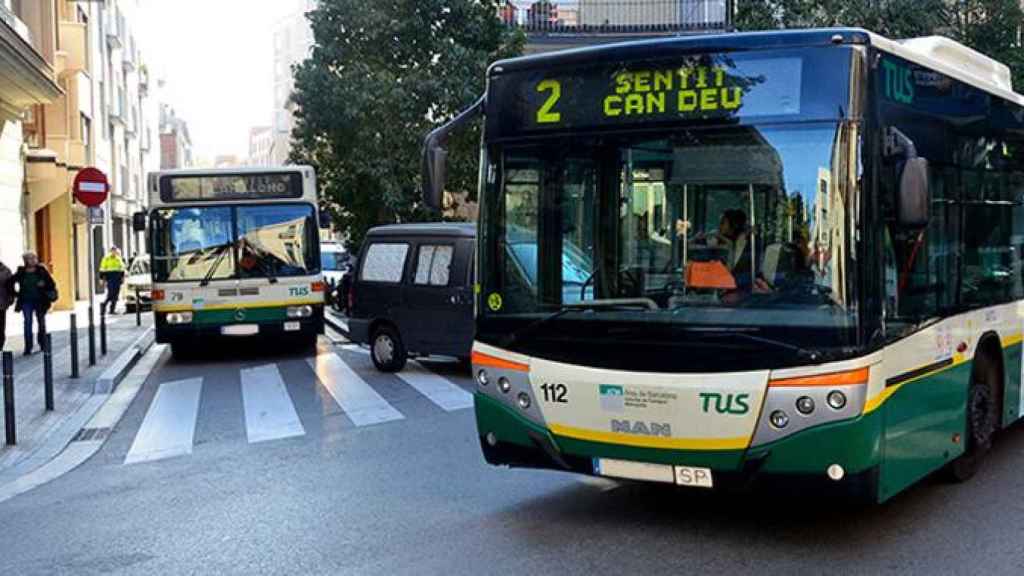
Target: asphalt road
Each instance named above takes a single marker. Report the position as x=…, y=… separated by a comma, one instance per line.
x=363, y=491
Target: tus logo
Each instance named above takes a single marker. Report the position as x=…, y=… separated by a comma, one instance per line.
x=613, y=398
x=736, y=404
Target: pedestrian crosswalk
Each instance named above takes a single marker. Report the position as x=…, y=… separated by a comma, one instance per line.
x=345, y=385
x=170, y=422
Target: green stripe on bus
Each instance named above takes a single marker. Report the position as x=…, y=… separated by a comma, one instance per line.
x=269, y=314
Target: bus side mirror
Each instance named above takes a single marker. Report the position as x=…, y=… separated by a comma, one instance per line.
x=912, y=206
x=139, y=222
x=435, y=164
x=324, y=219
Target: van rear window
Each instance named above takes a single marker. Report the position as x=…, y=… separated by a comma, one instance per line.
x=384, y=262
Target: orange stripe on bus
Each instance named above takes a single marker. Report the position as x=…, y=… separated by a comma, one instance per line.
x=858, y=376
x=481, y=359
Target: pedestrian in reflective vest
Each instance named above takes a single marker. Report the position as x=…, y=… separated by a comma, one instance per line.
x=112, y=273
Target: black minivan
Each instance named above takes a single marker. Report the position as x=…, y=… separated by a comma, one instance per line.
x=412, y=294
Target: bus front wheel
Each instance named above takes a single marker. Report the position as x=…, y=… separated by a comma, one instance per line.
x=982, y=419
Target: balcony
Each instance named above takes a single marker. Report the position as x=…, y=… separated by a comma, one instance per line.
x=115, y=28
x=128, y=55
x=74, y=45
x=26, y=78
x=45, y=177
x=117, y=108
x=581, y=22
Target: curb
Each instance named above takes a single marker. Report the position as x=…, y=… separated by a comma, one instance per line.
x=116, y=372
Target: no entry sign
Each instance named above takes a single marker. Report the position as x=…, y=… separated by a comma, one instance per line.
x=91, y=187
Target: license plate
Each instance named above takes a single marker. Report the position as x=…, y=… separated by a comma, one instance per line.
x=240, y=330
x=292, y=326
x=695, y=477
x=633, y=470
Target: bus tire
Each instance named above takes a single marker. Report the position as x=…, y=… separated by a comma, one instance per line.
x=983, y=413
x=386, y=349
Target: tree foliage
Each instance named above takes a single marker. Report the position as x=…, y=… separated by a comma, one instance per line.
x=990, y=26
x=381, y=75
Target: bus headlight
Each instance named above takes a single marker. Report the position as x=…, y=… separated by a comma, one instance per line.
x=524, y=400
x=179, y=318
x=779, y=419
x=837, y=400
x=481, y=377
x=805, y=405
x=300, y=311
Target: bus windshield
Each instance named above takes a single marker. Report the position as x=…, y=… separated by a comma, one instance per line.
x=244, y=241
x=721, y=228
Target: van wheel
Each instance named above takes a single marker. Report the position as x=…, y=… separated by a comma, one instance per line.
x=982, y=420
x=386, y=350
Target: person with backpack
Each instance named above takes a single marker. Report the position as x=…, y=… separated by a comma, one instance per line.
x=34, y=291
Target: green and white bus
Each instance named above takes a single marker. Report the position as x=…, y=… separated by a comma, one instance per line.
x=234, y=252
x=801, y=259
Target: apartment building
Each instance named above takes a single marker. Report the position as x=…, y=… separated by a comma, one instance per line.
x=293, y=39
x=261, y=146
x=28, y=82
x=98, y=117
x=175, y=141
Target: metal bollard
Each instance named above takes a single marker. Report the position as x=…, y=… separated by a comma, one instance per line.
x=103, y=331
x=138, y=308
x=9, y=399
x=48, y=372
x=92, y=338
x=74, y=345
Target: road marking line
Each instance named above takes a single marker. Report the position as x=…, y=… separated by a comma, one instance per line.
x=170, y=423
x=269, y=411
x=361, y=403
x=445, y=394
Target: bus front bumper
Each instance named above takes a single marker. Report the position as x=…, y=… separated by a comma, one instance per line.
x=262, y=322
x=793, y=462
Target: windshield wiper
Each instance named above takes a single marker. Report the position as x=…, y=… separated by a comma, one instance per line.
x=517, y=335
x=745, y=334
x=216, y=263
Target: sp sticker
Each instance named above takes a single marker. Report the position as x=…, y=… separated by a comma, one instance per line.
x=494, y=301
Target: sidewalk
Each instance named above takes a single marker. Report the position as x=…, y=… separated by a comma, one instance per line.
x=40, y=432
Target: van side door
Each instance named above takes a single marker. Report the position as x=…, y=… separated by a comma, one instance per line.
x=433, y=296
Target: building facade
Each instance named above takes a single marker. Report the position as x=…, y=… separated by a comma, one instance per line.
x=102, y=118
x=261, y=146
x=293, y=39
x=28, y=81
x=175, y=142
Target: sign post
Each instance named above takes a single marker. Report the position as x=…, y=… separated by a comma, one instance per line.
x=91, y=189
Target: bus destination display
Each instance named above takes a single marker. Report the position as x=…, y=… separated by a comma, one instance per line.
x=704, y=87
x=231, y=187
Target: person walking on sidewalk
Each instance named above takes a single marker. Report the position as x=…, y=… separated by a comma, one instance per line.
x=112, y=272
x=6, y=298
x=35, y=292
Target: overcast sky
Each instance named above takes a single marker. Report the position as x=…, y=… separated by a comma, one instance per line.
x=216, y=57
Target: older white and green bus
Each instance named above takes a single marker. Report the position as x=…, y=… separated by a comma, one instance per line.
x=802, y=253
x=234, y=253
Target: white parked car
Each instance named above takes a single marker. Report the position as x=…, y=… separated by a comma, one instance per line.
x=334, y=260
x=138, y=277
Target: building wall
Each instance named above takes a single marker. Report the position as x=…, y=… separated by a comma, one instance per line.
x=12, y=229
x=293, y=39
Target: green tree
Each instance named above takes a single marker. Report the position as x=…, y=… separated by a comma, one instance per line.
x=381, y=75
x=991, y=27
